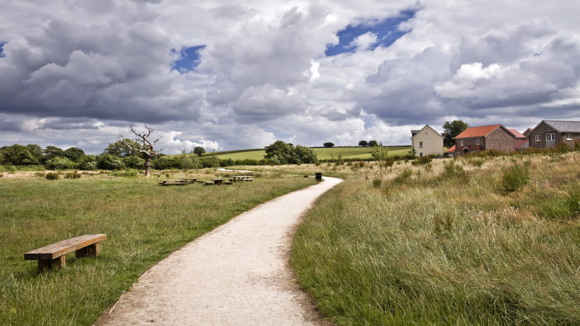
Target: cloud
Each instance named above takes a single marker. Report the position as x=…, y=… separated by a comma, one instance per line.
x=78, y=72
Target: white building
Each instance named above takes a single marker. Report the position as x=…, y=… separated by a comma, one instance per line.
x=427, y=141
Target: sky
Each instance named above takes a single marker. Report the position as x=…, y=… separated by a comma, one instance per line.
x=242, y=74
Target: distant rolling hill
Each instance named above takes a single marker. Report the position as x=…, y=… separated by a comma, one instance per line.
x=323, y=153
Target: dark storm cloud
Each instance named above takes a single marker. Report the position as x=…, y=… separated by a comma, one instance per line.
x=110, y=71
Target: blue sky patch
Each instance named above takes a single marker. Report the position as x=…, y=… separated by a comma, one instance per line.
x=188, y=59
x=387, y=33
x=2, y=55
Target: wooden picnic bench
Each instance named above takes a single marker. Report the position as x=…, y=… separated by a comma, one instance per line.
x=241, y=178
x=173, y=182
x=209, y=183
x=218, y=182
x=54, y=255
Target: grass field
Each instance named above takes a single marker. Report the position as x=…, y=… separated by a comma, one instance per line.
x=143, y=221
x=441, y=245
x=323, y=153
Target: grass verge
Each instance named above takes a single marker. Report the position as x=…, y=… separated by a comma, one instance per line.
x=143, y=221
x=447, y=245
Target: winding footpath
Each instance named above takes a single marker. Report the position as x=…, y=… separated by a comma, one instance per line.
x=237, y=274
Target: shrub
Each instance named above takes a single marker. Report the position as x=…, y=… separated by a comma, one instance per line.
x=429, y=167
x=422, y=160
x=13, y=168
x=577, y=146
x=405, y=174
x=1, y=175
x=477, y=163
x=562, y=148
x=514, y=178
x=451, y=170
x=377, y=183
x=51, y=176
x=72, y=175
x=389, y=162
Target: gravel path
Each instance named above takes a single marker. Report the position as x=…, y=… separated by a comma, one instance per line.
x=237, y=274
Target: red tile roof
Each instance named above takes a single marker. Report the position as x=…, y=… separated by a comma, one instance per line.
x=522, y=143
x=477, y=131
x=517, y=133
x=452, y=149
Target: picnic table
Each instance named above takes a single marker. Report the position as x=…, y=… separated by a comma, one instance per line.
x=242, y=178
x=190, y=180
x=173, y=182
x=218, y=181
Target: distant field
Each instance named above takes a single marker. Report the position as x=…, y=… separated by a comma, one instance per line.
x=323, y=153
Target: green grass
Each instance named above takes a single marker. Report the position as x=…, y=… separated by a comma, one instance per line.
x=323, y=153
x=144, y=223
x=446, y=248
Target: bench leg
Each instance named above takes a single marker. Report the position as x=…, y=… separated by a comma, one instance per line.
x=51, y=263
x=88, y=251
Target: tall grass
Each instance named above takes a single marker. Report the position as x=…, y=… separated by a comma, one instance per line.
x=447, y=248
x=143, y=222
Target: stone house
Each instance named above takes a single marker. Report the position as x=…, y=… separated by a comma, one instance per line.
x=493, y=137
x=427, y=141
x=549, y=133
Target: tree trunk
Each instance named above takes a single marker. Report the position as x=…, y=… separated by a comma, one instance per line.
x=147, y=166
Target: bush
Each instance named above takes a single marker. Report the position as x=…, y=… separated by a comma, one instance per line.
x=514, y=178
x=377, y=183
x=401, y=178
x=72, y=175
x=13, y=168
x=422, y=160
x=453, y=171
x=60, y=163
x=562, y=148
x=1, y=175
x=51, y=176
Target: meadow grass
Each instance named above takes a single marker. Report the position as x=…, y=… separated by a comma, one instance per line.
x=446, y=244
x=322, y=153
x=144, y=223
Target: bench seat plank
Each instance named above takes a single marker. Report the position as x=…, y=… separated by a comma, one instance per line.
x=62, y=248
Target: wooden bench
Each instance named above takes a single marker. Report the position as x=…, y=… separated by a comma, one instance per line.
x=209, y=183
x=53, y=256
x=190, y=180
x=218, y=182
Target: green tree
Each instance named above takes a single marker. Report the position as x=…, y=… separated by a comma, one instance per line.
x=199, y=150
x=363, y=143
x=189, y=160
x=74, y=154
x=328, y=144
x=373, y=143
x=381, y=154
x=284, y=153
x=451, y=130
x=305, y=154
x=119, y=148
x=51, y=152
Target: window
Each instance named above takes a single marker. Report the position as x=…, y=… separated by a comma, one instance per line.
x=550, y=137
x=568, y=136
x=420, y=144
x=461, y=143
x=420, y=154
x=538, y=137
x=477, y=142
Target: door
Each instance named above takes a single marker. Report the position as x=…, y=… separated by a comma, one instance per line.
x=550, y=139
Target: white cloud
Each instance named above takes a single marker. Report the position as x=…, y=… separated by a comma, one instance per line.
x=78, y=72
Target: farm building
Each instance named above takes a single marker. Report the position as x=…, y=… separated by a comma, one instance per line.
x=427, y=141
x=550, y=132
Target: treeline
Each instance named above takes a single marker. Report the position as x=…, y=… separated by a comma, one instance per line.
x=117, y=156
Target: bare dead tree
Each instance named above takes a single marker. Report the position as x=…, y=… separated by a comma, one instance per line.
x=146, y=148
